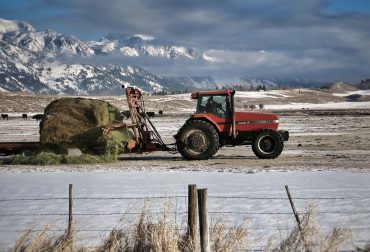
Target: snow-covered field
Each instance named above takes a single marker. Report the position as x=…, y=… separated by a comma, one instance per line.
x=333, y=105
x=326, y=159
x=359, y=92
x=329, y=167
x=342, y=199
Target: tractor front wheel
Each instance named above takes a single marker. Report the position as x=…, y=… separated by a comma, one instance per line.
x=197, y=140
x=268, y=144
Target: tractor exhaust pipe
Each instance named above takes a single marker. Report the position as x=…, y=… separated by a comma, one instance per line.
x=233, y=129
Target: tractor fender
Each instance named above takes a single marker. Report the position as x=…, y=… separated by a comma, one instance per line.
x=204, y=118
x=211, y=119
x=283, y=133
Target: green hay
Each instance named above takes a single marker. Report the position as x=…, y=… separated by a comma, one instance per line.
x=47, y=158
x=80, y=122
x=68, y=117
x=110, y=144
x=43, y=158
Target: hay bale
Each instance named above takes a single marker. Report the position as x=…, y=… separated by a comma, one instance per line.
x=80, y=122
x=95, y=141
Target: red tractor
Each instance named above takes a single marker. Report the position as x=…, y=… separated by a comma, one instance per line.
x=216, y=124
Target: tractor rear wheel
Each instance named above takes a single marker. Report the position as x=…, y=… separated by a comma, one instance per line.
x=197, y=140
x=268, y=144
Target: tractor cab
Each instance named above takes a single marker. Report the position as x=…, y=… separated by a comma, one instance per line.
x=218, y=103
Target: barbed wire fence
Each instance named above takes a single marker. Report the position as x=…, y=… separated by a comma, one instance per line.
x=179, y=211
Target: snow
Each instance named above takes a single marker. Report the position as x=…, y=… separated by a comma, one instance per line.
x=168, y=98
x=263, y=94
x=155, y=85
x=351, y=211
x=36, y=41
x=334, y=105
x=130, y=70
x=105, y=45
x=156, y=51
x=186, y=96
x=347, y=93
x=182, y=51
x=128, y=51
x=20, y=66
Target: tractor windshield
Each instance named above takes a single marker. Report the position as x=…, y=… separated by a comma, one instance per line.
x=218, y=105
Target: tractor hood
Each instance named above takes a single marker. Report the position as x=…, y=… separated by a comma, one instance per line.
x=249, y=121
x=244, y=121
x=255, y=117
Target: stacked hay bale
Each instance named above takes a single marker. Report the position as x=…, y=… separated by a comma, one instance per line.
x=80, y=122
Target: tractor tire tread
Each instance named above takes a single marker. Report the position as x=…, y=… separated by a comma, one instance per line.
x=279, y=148
x=212, y=133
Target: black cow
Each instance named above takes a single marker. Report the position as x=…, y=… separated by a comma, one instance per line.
x=147, y=114
x=5, y=116
x=150, y=114
x=24, y=116
x=38, y=117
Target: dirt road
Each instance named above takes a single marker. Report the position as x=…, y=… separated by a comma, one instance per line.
x=318, y=141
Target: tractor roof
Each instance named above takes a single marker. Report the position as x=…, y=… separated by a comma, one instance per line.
x=228, y=92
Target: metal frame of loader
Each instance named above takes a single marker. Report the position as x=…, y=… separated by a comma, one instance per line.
x=146, y=136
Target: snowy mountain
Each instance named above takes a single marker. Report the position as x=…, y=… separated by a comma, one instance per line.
x=32, y=61
x=198, y=82
x=54, y=44
x=144, y=45
x=36, y=72
x=47, y=62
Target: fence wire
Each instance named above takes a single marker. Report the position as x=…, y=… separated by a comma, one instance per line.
x=183, y=197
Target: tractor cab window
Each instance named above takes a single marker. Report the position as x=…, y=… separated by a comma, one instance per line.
x=218, y=105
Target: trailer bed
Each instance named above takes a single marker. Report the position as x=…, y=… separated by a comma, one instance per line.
x=8, y=148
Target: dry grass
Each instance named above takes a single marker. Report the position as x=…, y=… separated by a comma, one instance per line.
x=310, y=238
x=163, y=234
x=146, y=234
x=229, y=240
x=43, y=242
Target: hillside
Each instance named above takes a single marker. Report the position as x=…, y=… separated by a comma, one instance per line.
x=340, y=87
x=182, y=103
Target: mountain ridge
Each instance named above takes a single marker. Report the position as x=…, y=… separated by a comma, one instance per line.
x=34, y=61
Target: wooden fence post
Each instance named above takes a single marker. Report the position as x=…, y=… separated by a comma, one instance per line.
x=296, y=216
x=192, y=212
x=293, y=208
x=203, y=220
x=70, y=206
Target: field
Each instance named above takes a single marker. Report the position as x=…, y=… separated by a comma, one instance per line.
x=326, y=160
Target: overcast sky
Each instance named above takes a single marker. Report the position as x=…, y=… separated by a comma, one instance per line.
x=312, y=39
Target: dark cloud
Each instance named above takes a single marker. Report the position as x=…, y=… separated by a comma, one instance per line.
x=304, y=38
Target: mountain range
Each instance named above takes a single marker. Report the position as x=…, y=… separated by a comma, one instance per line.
x=47, y=62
